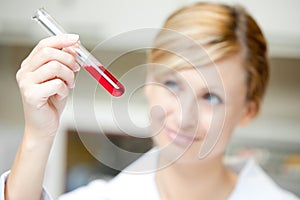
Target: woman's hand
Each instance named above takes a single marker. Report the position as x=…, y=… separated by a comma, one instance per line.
x=44, y=80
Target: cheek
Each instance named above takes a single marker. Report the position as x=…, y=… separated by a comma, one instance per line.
x=157, y=117
x=223, y=123
x=217, y=134
x=160, y=106
x=215, y=124
x=226, y=119
x=235, y=110
x=205, y=121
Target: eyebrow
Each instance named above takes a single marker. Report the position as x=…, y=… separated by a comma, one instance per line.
x=174, y=73
x=161, y=73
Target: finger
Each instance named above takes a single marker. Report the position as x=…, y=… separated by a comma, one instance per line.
x=70, y=50
x=52, y=70
x=53, y=88
x=48, y=54
x=58, y=42
x=37, y=95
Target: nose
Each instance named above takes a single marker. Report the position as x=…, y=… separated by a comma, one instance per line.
x=189, y=113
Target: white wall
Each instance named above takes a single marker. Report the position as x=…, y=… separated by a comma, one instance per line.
x=97, y=20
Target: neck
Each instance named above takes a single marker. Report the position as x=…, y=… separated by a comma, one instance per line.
x=205, y=179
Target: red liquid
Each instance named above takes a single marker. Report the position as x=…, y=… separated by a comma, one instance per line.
x=107, y=85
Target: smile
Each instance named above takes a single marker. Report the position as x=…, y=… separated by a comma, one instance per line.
x=179, y=139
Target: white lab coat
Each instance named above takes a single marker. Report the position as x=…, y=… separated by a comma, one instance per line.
x=253, y=184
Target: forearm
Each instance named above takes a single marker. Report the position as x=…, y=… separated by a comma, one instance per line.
x=26, y=178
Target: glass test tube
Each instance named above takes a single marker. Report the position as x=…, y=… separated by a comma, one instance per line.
x=84, y=57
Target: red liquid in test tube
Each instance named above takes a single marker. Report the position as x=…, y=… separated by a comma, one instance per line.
x=104, y=82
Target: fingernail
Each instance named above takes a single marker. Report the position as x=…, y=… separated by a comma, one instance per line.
x=73, y=51
x=72, y=85
x=77, y=68
x=73, y=37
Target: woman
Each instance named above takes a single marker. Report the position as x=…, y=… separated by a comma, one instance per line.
x=207, y=72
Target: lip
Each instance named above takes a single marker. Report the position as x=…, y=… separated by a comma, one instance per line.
x=180, y=139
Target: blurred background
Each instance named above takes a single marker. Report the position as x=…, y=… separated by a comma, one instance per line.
x=273, y=138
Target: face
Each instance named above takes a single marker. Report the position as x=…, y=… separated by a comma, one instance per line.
x=194, y=110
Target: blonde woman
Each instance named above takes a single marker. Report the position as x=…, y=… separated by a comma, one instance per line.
x=207, y=72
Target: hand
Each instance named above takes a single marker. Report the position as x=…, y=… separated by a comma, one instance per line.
x=44, y=80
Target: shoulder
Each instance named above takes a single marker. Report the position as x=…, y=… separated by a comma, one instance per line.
x=255, y=183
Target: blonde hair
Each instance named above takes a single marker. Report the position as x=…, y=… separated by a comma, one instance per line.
x=221, y=30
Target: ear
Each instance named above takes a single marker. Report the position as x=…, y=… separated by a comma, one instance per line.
x=250, y=112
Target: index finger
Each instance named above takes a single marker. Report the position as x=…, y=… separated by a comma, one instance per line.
x=58, y=42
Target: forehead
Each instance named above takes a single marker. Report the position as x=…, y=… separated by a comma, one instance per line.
x=227, y=71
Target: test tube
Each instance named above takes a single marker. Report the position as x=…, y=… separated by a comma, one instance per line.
x=84, y=57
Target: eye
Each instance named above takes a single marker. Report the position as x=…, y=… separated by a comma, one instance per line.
x=172, y=85
x=212, y=98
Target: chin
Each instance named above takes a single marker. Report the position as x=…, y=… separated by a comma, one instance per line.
x=176, y=154
x=173, y=153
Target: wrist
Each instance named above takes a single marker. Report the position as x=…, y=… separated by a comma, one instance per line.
x=35, y=139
